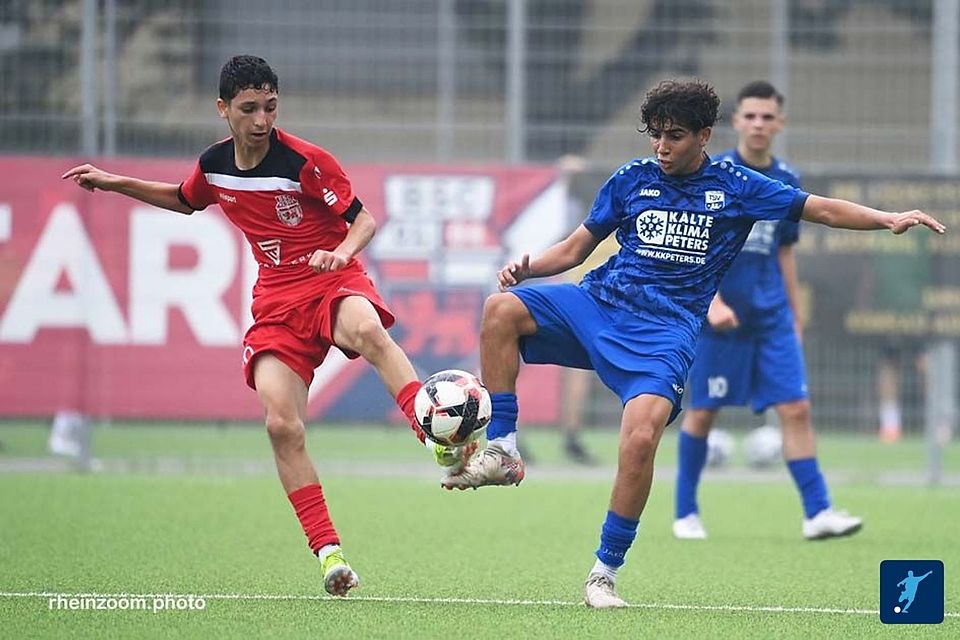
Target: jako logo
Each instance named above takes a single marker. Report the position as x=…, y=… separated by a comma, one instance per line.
x=649, y=193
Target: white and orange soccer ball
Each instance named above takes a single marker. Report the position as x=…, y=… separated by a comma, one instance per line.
x=452, y=407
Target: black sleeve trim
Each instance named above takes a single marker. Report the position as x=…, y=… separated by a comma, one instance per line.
x=352, y=211
x=599, y=232
x=796, y=208
x=183, y=198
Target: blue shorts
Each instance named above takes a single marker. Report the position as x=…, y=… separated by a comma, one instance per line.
x=630, y=355
x=756, y=366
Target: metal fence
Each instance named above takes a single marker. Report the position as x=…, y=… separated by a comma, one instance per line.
x=871, y=84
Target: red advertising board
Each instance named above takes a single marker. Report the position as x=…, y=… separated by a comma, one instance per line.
x=116, y=308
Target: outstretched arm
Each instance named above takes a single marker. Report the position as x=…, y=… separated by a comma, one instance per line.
x=158, y=194
x=925, y=575
x=566, y=254
x=358, y=236
x=843, y=214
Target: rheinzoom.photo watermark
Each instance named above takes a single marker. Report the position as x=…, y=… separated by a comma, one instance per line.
x=154, y=604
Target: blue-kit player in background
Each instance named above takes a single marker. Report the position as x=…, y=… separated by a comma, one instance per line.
x=749, y=350
x=680, y=219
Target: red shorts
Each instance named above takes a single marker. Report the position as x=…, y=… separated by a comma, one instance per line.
x=295, y=322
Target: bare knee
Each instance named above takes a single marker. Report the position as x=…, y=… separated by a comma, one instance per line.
x=369, y=338
x=795, y=415
x=638, y=444
x=285, y=433
x=504, y=316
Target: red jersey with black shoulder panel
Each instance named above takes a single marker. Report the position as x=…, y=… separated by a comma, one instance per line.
x=297, y=200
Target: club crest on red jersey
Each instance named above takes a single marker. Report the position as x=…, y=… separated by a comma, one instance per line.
x=288, y=210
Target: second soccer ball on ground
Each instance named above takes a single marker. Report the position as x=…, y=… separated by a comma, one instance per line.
x=763, y=447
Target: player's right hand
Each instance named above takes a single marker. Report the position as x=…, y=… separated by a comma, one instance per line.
x=514, y=273
x=90, y=178
x=721, y=317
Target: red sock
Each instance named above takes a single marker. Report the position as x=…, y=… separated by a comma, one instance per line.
x=405, y=398
x=312, y=512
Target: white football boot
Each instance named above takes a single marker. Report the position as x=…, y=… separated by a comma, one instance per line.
x=599, y=593
x=689, y=527
x=831, y=524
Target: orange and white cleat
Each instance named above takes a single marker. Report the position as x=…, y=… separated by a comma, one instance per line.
x=492, y=467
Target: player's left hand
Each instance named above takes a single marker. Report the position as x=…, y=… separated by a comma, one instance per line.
x=325, y=261
x=904, y=221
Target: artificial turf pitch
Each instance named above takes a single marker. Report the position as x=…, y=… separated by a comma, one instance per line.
x=494, y=563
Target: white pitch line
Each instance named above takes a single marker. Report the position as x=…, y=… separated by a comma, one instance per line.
x=416, y=600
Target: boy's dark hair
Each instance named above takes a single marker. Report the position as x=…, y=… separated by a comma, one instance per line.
x=693, y=105
x=760, y=89
x=246, y=72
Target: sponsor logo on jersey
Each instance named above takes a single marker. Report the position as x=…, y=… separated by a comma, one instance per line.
x=652, y=227
x=649, y=193
x=271, y=249
x=714, y=200
x=329, y=197
x=228, y=197
x=674, y=236
x=288, y=210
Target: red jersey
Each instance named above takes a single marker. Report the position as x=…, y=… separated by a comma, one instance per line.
x=297, y=200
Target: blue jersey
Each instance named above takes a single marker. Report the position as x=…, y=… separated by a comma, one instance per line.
x=754, y=284
x=678, y=235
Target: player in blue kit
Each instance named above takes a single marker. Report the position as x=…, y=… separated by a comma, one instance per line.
x=680, y=218
x=749, y=350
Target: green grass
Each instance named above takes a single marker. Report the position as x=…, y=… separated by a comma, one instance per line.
x=202, y=533
x=855, y=454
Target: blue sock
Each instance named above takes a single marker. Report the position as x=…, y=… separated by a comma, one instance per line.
x=616, y=536
x=813, y=488
x=504, y=420
x=692, y=456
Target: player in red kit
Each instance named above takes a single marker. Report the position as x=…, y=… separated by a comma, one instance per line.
x=297, y=209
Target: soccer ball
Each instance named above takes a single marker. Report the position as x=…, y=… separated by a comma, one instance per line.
x=720, y=448
x=452, y=406
x=763, y=447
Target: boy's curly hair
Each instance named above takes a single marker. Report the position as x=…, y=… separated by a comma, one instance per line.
x=246, y=72
x=693, y=105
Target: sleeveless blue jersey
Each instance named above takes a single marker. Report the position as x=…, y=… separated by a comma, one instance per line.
x=678, y=235
x=754, y=283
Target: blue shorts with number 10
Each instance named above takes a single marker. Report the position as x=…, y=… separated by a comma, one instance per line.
x=631, y=356
x=760, y=364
